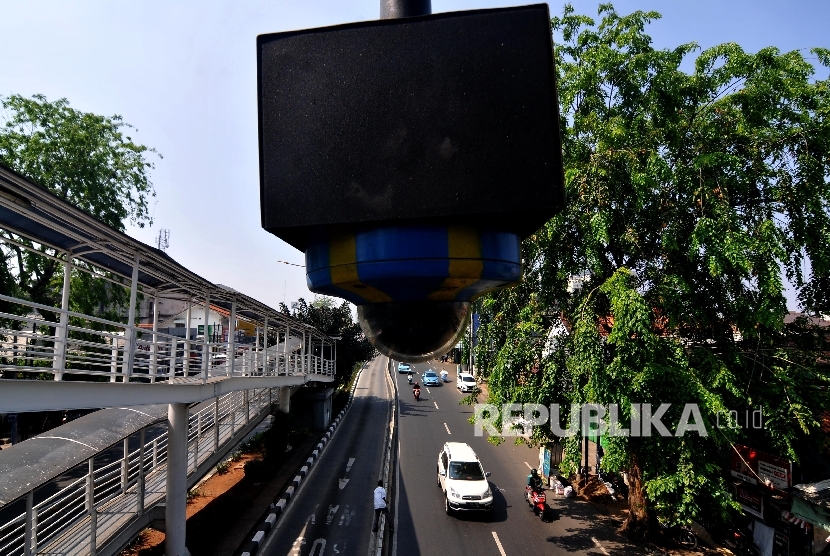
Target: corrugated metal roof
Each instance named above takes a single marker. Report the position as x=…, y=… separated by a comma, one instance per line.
x=43, y=457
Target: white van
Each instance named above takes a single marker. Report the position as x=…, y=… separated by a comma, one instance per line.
x=463, y=480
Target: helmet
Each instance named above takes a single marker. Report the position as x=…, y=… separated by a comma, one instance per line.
x=533, y=471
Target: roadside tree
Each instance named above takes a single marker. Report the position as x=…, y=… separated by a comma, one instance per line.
x=688, y=197
x=335, y=321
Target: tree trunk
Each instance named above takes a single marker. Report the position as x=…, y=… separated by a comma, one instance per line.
x=636, y=525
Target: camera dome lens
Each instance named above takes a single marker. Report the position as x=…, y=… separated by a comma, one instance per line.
x=413, y=331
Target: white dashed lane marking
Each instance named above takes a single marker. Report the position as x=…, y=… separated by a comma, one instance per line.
x=436, y=404
x=528, y=465
x=596, y=542
x=498, y=543
x=448, y=429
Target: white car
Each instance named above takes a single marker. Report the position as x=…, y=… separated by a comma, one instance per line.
x=466, y=382
x=463, y=480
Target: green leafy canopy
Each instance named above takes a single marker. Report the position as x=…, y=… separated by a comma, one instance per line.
x=688, y=197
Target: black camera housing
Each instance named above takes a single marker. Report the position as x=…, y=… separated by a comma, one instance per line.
x=447, y=116
x=443, y=127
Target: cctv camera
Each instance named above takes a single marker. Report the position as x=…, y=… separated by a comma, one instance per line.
x=412, y=284
x=408, y=164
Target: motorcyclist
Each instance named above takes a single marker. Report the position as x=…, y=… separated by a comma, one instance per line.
x=409, y=377
x=534, y=481
x=416, y=390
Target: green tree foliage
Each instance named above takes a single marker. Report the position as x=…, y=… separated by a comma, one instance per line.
x=335, y=321
x=83, y=158
x=89, y=161
x=687, y=197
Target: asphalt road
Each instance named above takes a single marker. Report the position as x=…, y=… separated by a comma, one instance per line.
x=333, y=511
x=422, y=526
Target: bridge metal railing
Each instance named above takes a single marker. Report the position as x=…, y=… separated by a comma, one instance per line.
x=92, y=348
x=87, y=513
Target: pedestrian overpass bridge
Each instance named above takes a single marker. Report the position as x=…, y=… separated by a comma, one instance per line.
x=54, y=358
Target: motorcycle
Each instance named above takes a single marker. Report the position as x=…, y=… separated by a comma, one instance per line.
x=409, y=378
x=537, y=501
x=417, y=393
x=683, y=534
x=741, y=544
x=732, y=537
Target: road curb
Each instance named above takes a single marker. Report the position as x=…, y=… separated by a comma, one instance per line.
x=278, y=508
x=376, y=546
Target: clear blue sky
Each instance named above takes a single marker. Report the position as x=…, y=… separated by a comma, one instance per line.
x=184, y=74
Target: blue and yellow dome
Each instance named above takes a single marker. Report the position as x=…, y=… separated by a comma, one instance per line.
x=412, y=263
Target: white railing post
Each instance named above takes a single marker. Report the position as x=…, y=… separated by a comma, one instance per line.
x=298, y=355
x=232, y=339
x=62, y=329
x=264, y=356
x=186, y=354
x=153, y=347
x=206, y=345
x=246, y=397
x=125, y=466
x=155, y=453
x=198, y=438
x=29, y=529
x=141, y=487
x=114, y=359
x=310, y=350
x=285, y=349
x=232, y=405
x=34, y=529
x=254, y=355
x=304, y=354
x=90, y=506
x=215, y=425
x=129, y=332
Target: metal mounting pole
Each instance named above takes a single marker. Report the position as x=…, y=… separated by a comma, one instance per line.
x=175, y=514
x=206, y=345
x=394, y=9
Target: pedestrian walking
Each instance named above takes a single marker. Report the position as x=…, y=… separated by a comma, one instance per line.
x=380, y=507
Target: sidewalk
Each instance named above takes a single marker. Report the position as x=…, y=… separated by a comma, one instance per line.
x=227, y=523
